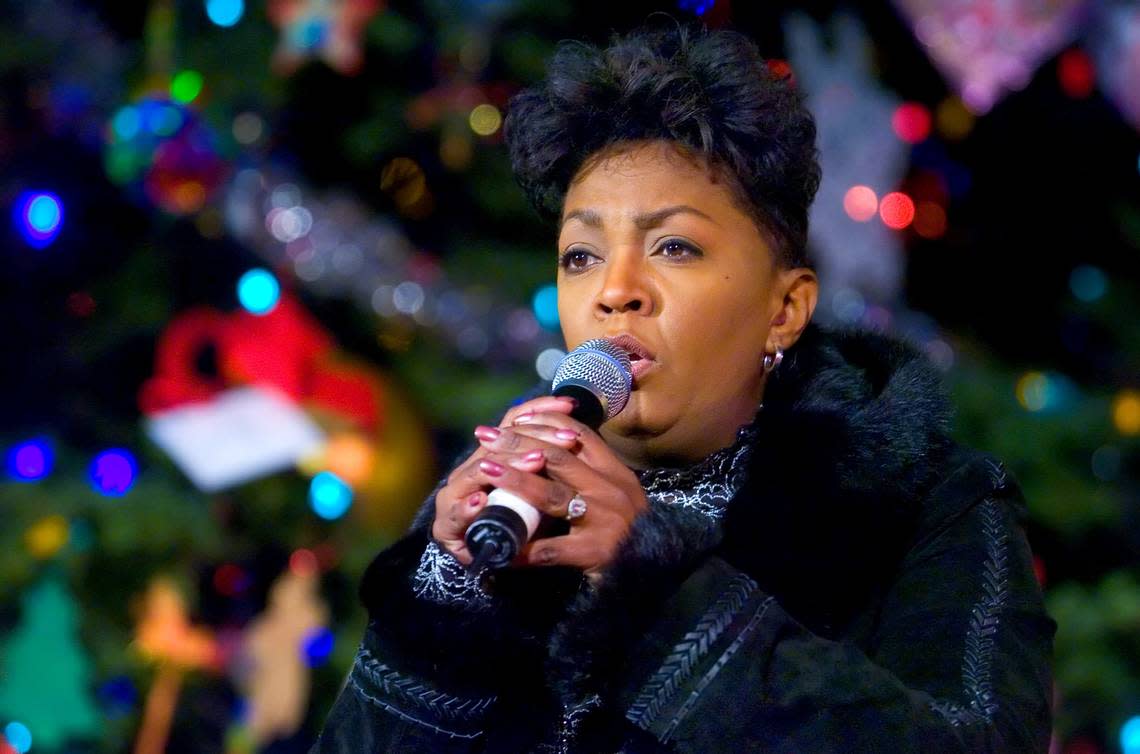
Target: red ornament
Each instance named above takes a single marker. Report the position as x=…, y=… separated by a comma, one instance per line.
x=285, y=348
x=1077, y=74
x=177, y=380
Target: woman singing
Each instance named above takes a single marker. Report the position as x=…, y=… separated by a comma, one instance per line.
x=776, y=546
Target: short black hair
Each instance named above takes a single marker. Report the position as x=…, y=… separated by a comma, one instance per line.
x=710, y=92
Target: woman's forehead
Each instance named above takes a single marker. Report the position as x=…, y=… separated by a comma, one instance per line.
x=643, y=180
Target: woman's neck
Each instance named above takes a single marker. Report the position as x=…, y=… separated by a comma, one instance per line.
x=675, y=448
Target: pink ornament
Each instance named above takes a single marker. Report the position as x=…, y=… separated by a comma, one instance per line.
x=987, y=48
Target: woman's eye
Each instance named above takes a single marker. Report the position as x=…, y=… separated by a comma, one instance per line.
x=575, y=260
x=674, y=249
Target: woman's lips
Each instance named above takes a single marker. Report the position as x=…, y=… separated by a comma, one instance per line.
x=640, y=358
x=639, y=367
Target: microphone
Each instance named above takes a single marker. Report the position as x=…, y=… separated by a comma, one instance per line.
x=598, y=375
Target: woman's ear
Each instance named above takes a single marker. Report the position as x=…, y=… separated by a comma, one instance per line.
x=796, y=291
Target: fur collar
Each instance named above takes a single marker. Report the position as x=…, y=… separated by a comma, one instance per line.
x=851, y=434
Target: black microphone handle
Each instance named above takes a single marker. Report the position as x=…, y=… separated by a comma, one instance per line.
x=589, y=410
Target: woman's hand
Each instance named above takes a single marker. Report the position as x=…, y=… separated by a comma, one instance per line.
x=459, y=501
x=585, y=467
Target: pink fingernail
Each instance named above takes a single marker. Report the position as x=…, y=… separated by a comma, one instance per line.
x=490, y=434
x=474, y=499
x=524, y=417
x=534, y=455
x=566, y=434
x=490, y=468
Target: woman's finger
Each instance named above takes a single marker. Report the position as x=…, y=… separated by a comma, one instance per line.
x=523, y=437
x=459, y=501
x=554, y=404
x=547, y=495
x=451, y=524
x=591, y=447
x=568, y=550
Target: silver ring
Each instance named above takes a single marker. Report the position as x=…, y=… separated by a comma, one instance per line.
x=576, y=508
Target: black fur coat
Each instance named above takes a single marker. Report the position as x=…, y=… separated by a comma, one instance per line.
x=870, y=589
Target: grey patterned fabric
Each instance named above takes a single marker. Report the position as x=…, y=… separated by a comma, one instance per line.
x=442, y=579
x=707, y=486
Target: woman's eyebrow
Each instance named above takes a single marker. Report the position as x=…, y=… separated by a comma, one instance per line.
x=643, y=221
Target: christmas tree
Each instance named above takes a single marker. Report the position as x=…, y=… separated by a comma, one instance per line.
x=293, y=224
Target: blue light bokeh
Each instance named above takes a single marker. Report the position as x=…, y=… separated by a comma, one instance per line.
x=329, y=496
x=545, y=304
x=30, y=461
x=317, y=646
x=39, y=217
x=18, y=736
x=258, y=291
x=113, y=472
x=225, y=12
x=1130, y=735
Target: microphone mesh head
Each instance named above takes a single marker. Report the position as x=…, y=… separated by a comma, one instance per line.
x=601, y=367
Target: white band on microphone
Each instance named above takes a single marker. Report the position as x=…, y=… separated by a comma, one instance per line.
x=529, y=514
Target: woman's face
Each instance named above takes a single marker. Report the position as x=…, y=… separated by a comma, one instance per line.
x=652, y=247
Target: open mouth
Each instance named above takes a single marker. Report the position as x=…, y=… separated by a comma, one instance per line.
x=640, y=357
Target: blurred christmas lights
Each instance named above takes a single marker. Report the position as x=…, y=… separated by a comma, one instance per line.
x=39, y=217
x=953, y=119
x=547, y=362
x=163, y=147
x=248, y=128
x=697, y=7
x=113, y=472
x=304, y=562
x=258, y=291
x=545, y=303
x=1076, y=73
x=18, y=736
x=81, y=304
x=30, y=461
x=929, y=220
x=897, y=210
x=329, y=496
x=47, y=536
x=350, y=457
x=117, y=696
x=1126, y=412
x=1088, y=283
x=231, y=580
x=1040, y=392
x=1106, y=463
x=911, y=122
x=485, y=119
x=860, y=203
x=317, y=647
x=1130, y=736
x=225, y=12
x=186, y=86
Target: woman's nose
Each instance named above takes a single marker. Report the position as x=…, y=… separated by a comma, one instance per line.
x=625, y=287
